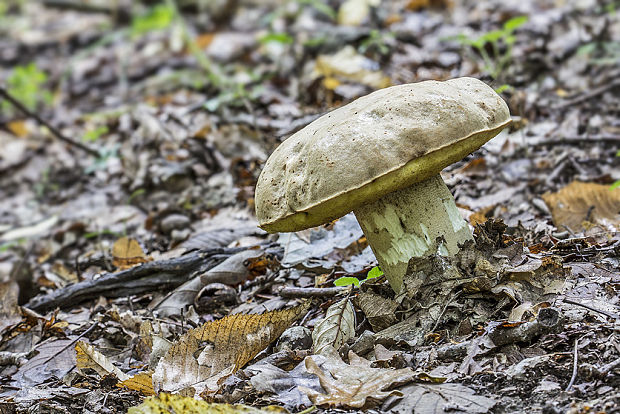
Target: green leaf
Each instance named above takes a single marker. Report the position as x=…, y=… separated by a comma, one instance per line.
x=502, y=88
x=515, y=23
x=157, y=18
x=615, y=185
x=283, y=38
x=95, y=134
x=346, y=281
x=374, y=272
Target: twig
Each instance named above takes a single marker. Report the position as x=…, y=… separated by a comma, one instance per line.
x=602, y=312
x=588, y=139
x=574, y=376
x=6, y=95
x=295, y=292
x=456, y=295
x=64, y=348
x=589, y=95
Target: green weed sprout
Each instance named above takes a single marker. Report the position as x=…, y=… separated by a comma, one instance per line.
x=25, y=83
x=617, y=183
x=496, y=61
x=349, y=280
x=157, y=18
x=95, y=134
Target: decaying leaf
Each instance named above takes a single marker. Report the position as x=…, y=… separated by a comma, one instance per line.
x=335, y=329
x=579, y=203
x=353, y=385
x=142, y=382
x=439, y=399
x=88, y=357
x=126, y=253
x=167, y=403
x=205, y=355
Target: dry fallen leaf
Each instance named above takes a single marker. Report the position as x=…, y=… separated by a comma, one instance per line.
x=579, y=203
x=335, y=329
x=441, y=398
x=88, y=357
x=203, y=356
x=126, y=253
x=142, y=382
x=352, y=385
x=166, y=403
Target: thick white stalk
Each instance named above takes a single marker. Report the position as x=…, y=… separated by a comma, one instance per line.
x=407, y=223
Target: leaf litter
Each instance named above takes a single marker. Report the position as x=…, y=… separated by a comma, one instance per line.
x=522, y=320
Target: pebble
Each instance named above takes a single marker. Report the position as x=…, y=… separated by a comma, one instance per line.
x=174, y=222
x=295, y=338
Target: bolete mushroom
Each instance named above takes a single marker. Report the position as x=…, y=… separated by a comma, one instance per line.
x=380, y=157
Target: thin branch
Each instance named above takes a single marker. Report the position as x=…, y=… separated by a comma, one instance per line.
x=17, y=104
x=574, y=376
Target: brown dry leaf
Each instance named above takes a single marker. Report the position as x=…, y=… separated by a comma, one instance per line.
x=353, y=385
x=126, y=253
x=142, y=382
x=19, y=128
x=87, y=357
x=9, y=312
x=203, y=356
x=584, y=202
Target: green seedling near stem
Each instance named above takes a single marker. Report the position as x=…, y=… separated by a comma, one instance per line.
x=617, y=183
x=157, y=18
x=349, y=280
x=25, y=83
x=95, y=134
x=500, y=42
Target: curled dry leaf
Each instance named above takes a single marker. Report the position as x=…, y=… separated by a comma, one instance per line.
x=88, y=357
x=353, y=385
x=206, y=355
x=579, y=203
x=335, y=329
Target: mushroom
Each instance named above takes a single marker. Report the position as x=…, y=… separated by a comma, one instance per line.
x=380, y=157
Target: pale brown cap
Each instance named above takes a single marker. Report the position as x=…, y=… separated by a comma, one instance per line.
x=382, y=142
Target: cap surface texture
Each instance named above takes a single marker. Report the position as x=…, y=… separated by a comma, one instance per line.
x=379, y=143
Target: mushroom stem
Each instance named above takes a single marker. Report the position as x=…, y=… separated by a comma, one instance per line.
x=406, y=223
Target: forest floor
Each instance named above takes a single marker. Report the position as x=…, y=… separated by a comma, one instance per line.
x=127, y=225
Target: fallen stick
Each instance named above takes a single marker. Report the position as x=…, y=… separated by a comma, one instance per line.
x=163, y=274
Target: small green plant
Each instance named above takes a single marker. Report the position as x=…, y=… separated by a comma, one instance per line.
x=95, y=134
x=157, y=18
x=282, y=38
x=500, y=42
x=617, y=183
x=376, y=42
x=25, y=83
x=349, y=280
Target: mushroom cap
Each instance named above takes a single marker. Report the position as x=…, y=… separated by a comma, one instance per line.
x=379, y=143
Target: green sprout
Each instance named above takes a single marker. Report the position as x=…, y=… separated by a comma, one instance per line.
x=349, y=280
x=157, y=18
x=95, y=134
x=617, y=183
x=500, y=41
x=25, y=83
x=376, y=41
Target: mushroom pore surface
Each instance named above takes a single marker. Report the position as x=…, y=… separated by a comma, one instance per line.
x=380, y=143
